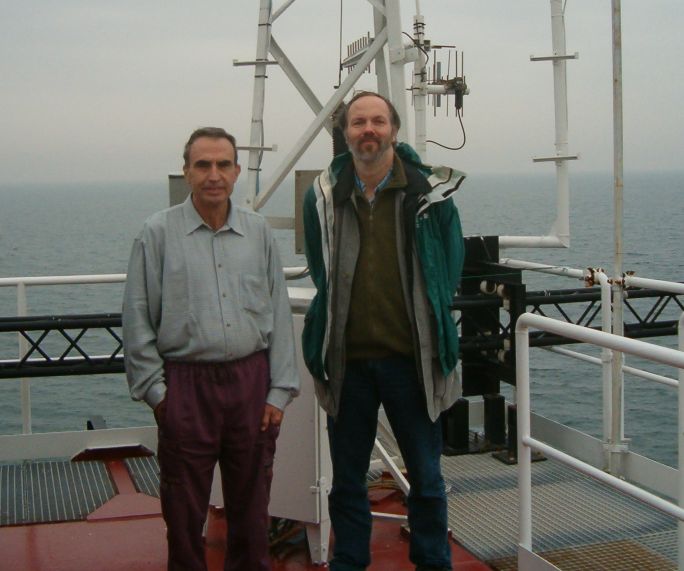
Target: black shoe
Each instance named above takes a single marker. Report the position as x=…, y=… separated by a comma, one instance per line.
x=431, y=568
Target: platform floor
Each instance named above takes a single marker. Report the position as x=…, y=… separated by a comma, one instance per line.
x=124, y=530
x=109, y=519
x=574, y=518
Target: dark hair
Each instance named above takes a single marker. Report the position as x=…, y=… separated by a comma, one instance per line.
x=212, y=133
x=344, y=109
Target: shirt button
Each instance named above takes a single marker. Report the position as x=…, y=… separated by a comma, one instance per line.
x=220, y=266
x=223, y=294
x=227, y=324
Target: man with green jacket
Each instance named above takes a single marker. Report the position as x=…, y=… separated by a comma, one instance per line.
x=385, y=251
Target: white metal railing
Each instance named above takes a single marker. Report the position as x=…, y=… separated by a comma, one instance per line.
x=613, y=404
x=22, y=283
x=526, y=443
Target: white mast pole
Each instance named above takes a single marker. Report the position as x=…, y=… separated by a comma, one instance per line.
x=560, y=93
x=617, y=427
x=396, y=51
x=419, y=87
x=256, y=142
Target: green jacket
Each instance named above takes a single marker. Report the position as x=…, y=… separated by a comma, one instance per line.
x=431, y=253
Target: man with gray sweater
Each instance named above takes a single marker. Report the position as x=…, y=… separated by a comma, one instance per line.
x=208, y=343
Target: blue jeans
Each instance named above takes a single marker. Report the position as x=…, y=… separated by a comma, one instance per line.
x=394, y=383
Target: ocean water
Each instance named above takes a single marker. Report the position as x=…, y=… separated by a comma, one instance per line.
x=89, y=228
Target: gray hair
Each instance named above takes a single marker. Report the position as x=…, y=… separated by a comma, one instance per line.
x=212, y=133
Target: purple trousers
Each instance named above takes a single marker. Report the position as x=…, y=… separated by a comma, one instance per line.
x=213, y=413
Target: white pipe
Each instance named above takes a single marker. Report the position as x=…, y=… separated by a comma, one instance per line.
x=651, y=377
x=667, y=381
x=629, y=281
x=660, y=285
x=544, y=268
x=550, y=241
x=61, y=280
x=432, y=89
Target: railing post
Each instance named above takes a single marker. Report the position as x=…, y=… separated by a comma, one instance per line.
x=22, y=311
x=522, y=373
x=606, y=365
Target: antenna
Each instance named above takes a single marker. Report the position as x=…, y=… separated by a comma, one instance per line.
x=355, y=51
x=455, y=85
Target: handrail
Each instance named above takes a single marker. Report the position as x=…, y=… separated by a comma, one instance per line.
x=290, y=272
x=21, y=283
x=526, y=443
x=61, y=280
x=613, y=401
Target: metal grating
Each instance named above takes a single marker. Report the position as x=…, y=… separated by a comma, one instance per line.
x=568, y=510
x=52, y=490
x=616, y=556
x=664, y=542
x=144, y=471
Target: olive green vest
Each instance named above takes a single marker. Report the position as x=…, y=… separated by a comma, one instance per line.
x=378, y=323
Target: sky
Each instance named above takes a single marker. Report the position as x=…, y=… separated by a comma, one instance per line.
x=94, y=90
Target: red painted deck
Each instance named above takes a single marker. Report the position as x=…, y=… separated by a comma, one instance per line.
x=128, y=534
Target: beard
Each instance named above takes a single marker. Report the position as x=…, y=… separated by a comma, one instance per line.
x=363, y=152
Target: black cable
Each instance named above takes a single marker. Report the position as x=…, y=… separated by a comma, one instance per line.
x=427, y=55
x=460, y=120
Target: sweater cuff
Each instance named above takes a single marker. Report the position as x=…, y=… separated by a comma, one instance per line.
x=155, y=394
x=279, y=398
